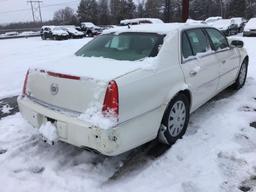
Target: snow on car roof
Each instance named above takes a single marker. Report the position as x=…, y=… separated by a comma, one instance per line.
x=237, y=20
x=251, y=23
x=164, y=28
x=137, y=20
x=222, y=23
x=212, y=19
x=192, y=21
x=88, y=24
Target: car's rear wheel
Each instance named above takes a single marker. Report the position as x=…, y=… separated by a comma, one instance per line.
x=90, y=34
x=175, y=120
x=241, y=78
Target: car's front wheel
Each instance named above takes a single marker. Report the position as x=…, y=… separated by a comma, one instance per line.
x=241, y=78
x=43, y=37
x=175, y=120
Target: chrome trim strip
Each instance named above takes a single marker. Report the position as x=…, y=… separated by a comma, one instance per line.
x=55, y=108
x=120, y=123
x=223, y=50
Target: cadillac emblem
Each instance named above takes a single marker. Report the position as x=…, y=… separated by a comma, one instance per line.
x=54, y=89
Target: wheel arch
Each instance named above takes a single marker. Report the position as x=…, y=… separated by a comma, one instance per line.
x=246, y=59
x=185, y=91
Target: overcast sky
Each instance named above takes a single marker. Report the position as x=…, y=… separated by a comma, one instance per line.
x=19, y=10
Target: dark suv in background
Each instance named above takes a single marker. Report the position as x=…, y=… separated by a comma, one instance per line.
x=89, y=29
x=53, y=32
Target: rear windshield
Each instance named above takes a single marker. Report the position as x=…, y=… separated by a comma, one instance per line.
x=124, y=46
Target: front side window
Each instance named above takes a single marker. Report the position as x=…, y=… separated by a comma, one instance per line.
x=124, y=46
x=198, y=41
x=218, y=39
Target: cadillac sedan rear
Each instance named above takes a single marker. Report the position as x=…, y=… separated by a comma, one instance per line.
x=86, y=99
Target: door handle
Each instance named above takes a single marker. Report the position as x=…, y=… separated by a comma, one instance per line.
x=193, y=73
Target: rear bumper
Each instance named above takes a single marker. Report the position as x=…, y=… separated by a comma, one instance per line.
x=110, y=142
x=249, y=33
x=72, y=130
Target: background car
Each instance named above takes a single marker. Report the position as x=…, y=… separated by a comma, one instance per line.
x=53, y=32
x=240, y=23
x=250, y=28
x=89, y=29
x=73, y=32
x=226, y=26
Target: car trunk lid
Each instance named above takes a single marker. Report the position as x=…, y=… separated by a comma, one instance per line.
x=67, y=92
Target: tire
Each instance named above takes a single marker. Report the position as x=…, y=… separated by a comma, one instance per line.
x=175, y=120
x=43, y=37
x=90, y=34
x=242, y=75
x=228, y=33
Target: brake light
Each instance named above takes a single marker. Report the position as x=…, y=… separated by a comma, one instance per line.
x=111, y=101
x=24, y=90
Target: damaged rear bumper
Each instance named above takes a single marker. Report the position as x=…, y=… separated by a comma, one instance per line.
x=72, y=130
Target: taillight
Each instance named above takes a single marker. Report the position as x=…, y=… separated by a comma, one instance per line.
x=111, y=101
x=24, y=90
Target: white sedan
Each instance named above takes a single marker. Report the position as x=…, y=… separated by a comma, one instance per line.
x=132, y=85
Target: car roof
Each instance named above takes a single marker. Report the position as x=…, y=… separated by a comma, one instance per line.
x=137, y=20
x=154, y=28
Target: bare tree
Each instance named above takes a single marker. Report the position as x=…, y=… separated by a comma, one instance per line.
x=65, y=16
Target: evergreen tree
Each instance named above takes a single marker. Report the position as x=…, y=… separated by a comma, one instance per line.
x=152, y=8
x=115, y=6
x=167, y=10
x=104, y=14
x=87, y=11
x=140, y=10
x=130, y=9
x=237, y=8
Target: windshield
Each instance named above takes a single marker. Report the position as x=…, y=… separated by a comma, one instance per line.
x=124, y=46
x=57, y=28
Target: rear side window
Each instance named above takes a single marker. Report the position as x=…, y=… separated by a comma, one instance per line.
x=198, y=40
x=218, y=39
x=186, y=49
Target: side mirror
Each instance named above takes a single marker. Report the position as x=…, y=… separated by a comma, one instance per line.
x=237, y=43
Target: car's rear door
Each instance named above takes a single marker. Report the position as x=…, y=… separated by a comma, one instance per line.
x=228, y=58
x=199, y=65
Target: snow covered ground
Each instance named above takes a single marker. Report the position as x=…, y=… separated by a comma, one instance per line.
x=217, y=154
x=18, y=54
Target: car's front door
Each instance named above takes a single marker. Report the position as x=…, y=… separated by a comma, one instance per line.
x=200, y=66
x=228, y=58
